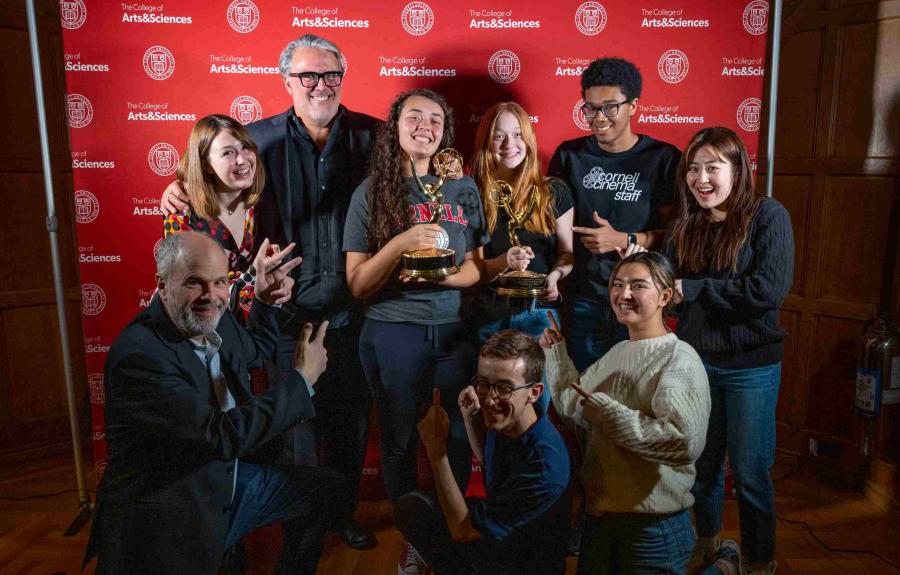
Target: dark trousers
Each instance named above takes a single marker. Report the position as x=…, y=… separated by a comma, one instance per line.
x=304, y=498
x=403, y=362
x=336, y=437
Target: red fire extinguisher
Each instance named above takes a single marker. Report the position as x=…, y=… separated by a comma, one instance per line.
x=877, y=372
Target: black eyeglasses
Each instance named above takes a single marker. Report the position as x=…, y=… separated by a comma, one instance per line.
x=311, y=79
x=503, y=390
x=609, y=109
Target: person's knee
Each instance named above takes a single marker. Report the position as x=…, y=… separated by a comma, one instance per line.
x=407, y=508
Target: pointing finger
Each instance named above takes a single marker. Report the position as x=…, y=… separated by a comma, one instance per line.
x=552, y=319
x=436, y=397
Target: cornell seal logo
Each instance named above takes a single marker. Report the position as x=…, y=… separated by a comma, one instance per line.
x=93, y=300
x=504, y=66
x=72, y=14
x=578, y=117
x=163, y=159
x=156, y=249
x=159, y=63
x=417, y=18
x=245, y=109
x=749, y=113
x=756, y=17
x=673, y=66
x=590, y=18
x=100, y=469
x=95, y=385
x=79, y=111
x=243, y=16
x=87, y=208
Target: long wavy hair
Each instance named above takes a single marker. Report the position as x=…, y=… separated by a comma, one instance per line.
x=200, y=182
x=698, y=246
x=388, y=195
x=528, y=173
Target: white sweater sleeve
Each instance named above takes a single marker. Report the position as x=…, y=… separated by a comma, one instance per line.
x=676, y=433
x=561, y=373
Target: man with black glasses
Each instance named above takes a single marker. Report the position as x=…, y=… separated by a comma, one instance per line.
x=315, y=154
x=623, y=185
x=522, y=525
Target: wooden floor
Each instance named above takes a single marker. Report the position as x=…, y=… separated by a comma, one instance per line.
x=32, y=542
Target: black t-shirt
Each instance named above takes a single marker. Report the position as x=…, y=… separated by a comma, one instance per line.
x=626, y=188
x=544, y=247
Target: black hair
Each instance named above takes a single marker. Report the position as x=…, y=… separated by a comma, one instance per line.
x=613, y=72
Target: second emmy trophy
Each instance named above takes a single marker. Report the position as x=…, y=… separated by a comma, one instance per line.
x=439, y=262
x=520, y=284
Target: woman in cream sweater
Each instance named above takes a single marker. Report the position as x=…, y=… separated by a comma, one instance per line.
x=644, y=408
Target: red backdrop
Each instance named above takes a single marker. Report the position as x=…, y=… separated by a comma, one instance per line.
x=139, y=74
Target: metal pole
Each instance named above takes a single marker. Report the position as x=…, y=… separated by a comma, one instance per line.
x=773, y=97
x=52, y=227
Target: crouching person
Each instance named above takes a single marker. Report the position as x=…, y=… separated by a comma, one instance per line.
x=522, y=525
x=181, y=418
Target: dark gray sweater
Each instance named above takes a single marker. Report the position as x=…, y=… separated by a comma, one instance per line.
x=731, y=317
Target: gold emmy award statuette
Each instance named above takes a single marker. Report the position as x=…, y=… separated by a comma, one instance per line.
x=517, y=283
x=439, y=262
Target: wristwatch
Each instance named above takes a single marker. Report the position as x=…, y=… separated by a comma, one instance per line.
x=632, y=238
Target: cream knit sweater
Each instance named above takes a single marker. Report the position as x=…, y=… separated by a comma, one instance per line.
x=645, y=422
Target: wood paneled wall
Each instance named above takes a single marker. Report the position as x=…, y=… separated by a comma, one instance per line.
x=33, y=410
x=837, y=172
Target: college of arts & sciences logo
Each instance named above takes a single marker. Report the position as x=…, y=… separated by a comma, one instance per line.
x=159, y=63
x=87, y=208
x=72, y=14
x=163, y=159
x=578, y=117
x=749, y=114
x=93, y=299
x=243, y=16
x=245, y=109
x=79, y=111
x=504, y=66
x=756, y=17
x=417, y=18
x=95, y=386
x=590, y=18
x=673, y=66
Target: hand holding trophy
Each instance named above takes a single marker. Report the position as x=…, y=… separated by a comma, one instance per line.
x=517, y=283
x=439, y=262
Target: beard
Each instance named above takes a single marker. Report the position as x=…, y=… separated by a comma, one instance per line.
x=192, y=325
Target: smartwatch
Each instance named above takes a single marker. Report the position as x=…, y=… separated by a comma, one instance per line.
x=632, y=239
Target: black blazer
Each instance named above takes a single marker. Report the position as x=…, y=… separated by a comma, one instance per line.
x=163, y=503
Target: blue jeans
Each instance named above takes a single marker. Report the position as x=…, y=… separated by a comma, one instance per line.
x=636, y=543
x=495, y=316
x=306, y=499
x=741, y=423
x=593, y=330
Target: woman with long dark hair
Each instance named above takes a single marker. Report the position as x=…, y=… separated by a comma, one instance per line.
x=734, y=252
x=506, y=150
x=644, y=408
x=414, y=335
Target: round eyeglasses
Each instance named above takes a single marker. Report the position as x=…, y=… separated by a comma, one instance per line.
x=503, y=390
x=609, y=109
x=311, y=79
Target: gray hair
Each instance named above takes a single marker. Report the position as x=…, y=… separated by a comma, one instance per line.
x=307, y=41
x=171, y=250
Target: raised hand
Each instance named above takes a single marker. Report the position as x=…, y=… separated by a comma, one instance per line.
x=630, y=249
x=552, y=335
x=434, y=428
x=310, y=356
x=601, y=239
x=468, y=402
x=273, y=281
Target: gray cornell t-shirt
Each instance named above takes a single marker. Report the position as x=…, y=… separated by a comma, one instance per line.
x=421, y=303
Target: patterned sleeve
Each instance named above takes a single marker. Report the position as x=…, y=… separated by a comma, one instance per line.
x=176, y=223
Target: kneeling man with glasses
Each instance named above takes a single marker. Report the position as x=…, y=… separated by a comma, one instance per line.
x=522, y=526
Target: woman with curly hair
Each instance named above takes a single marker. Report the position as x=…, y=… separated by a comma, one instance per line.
x=734, y=251
x=506, y=150
x=414, y=335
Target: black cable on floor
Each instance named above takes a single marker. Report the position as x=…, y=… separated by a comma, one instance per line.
x=837, y=549
x=43, y=495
